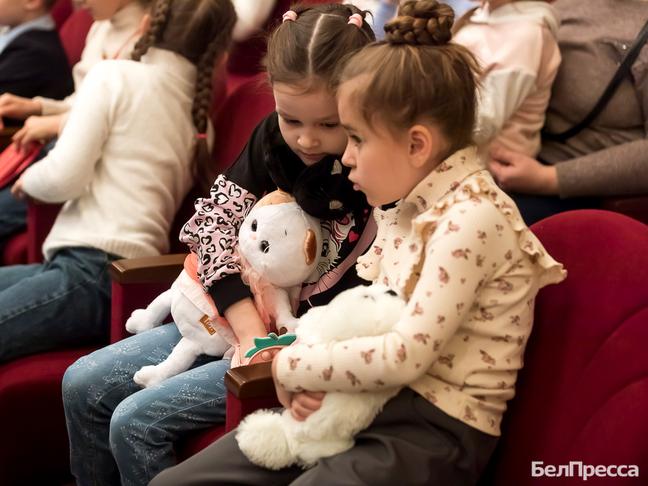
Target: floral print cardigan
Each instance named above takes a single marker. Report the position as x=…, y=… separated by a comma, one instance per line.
x=458, y=251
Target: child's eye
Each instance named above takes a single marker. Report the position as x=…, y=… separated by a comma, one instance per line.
x=330, y=125
x=355, y=139
x=291, y=121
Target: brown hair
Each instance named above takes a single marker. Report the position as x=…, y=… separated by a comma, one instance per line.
x=416, y=74
x=200, y=31
x=310, y=47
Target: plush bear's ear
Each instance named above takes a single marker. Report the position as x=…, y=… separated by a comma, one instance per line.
x=310, y=246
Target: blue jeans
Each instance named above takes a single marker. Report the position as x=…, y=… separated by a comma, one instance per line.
x=121, y=432
x=13, y=212
x=61, y=303
x=13, y=215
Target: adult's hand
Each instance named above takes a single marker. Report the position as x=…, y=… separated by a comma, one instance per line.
x=516, y=172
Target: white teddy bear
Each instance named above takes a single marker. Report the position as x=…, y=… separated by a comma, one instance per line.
x=272, y=238
x=276, y=440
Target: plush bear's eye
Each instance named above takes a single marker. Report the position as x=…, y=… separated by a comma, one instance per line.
x=254, y=225
x=265, y=246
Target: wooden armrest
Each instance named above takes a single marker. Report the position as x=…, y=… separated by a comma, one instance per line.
x=163, y=268
x=251, y=381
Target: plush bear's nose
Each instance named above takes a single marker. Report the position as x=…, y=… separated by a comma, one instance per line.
x=265, y=246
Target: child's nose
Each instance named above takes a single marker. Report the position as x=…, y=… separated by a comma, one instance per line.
x=346, y=158
x=307, y=140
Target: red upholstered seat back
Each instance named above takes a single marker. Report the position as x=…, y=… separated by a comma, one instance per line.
x=241, y=112
x=73, y=34
x=583, y=392
x=60, y=12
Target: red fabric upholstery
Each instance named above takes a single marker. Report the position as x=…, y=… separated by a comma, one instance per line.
x=73, y=34
x=34, y=449
x=583, y=393
x=61, y=11
x=241, y=112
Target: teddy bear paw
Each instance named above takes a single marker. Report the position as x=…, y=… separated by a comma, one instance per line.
x=140, y=320
x=148, y=376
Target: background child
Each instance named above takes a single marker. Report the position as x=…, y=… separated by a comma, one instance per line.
x=32, y=59
x=123, y=164
x=117, y=26
x=120, y=432
x=515, y=42
x=454, y=246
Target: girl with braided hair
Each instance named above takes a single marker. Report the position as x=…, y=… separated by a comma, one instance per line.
x=116, y=28
x=120, y=431
x=453, y=246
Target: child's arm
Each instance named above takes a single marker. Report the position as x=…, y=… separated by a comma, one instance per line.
x=509, y=83
x=68, y=169
x=212, y=232
x=460, y=256
x=246, y=323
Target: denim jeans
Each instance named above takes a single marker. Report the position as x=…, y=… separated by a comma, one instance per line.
x=13, y=212
x=121, y=432
x=13, y=215
x=61, y=303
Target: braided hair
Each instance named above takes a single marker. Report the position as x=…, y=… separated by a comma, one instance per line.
x=200, y=31
x=417, y=74
x=312, y=47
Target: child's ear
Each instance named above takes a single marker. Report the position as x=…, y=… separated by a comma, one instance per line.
x=426, y=143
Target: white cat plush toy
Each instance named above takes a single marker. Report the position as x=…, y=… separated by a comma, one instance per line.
x=276, y=440
x=279, y=246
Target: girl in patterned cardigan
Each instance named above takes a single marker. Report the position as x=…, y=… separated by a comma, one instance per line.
x=453, y=246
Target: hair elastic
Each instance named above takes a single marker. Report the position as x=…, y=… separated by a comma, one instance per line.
x=290, y=15
x=201, y=136
x=357, y=20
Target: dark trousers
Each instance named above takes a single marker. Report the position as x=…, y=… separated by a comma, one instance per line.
x=411, y=442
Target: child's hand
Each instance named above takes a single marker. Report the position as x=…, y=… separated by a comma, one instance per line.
x=305, y=403
x=36, y=129
x=301, y=405
x=13, y=106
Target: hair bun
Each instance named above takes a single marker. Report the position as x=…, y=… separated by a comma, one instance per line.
x=421, y=22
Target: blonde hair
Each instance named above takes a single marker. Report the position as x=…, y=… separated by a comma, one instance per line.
x=416, y=74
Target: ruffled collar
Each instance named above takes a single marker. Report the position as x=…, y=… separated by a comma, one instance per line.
x=444, y=178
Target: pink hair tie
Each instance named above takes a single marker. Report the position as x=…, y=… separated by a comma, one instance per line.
x=290, y=15
x=201, y=136
x=357, y=20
